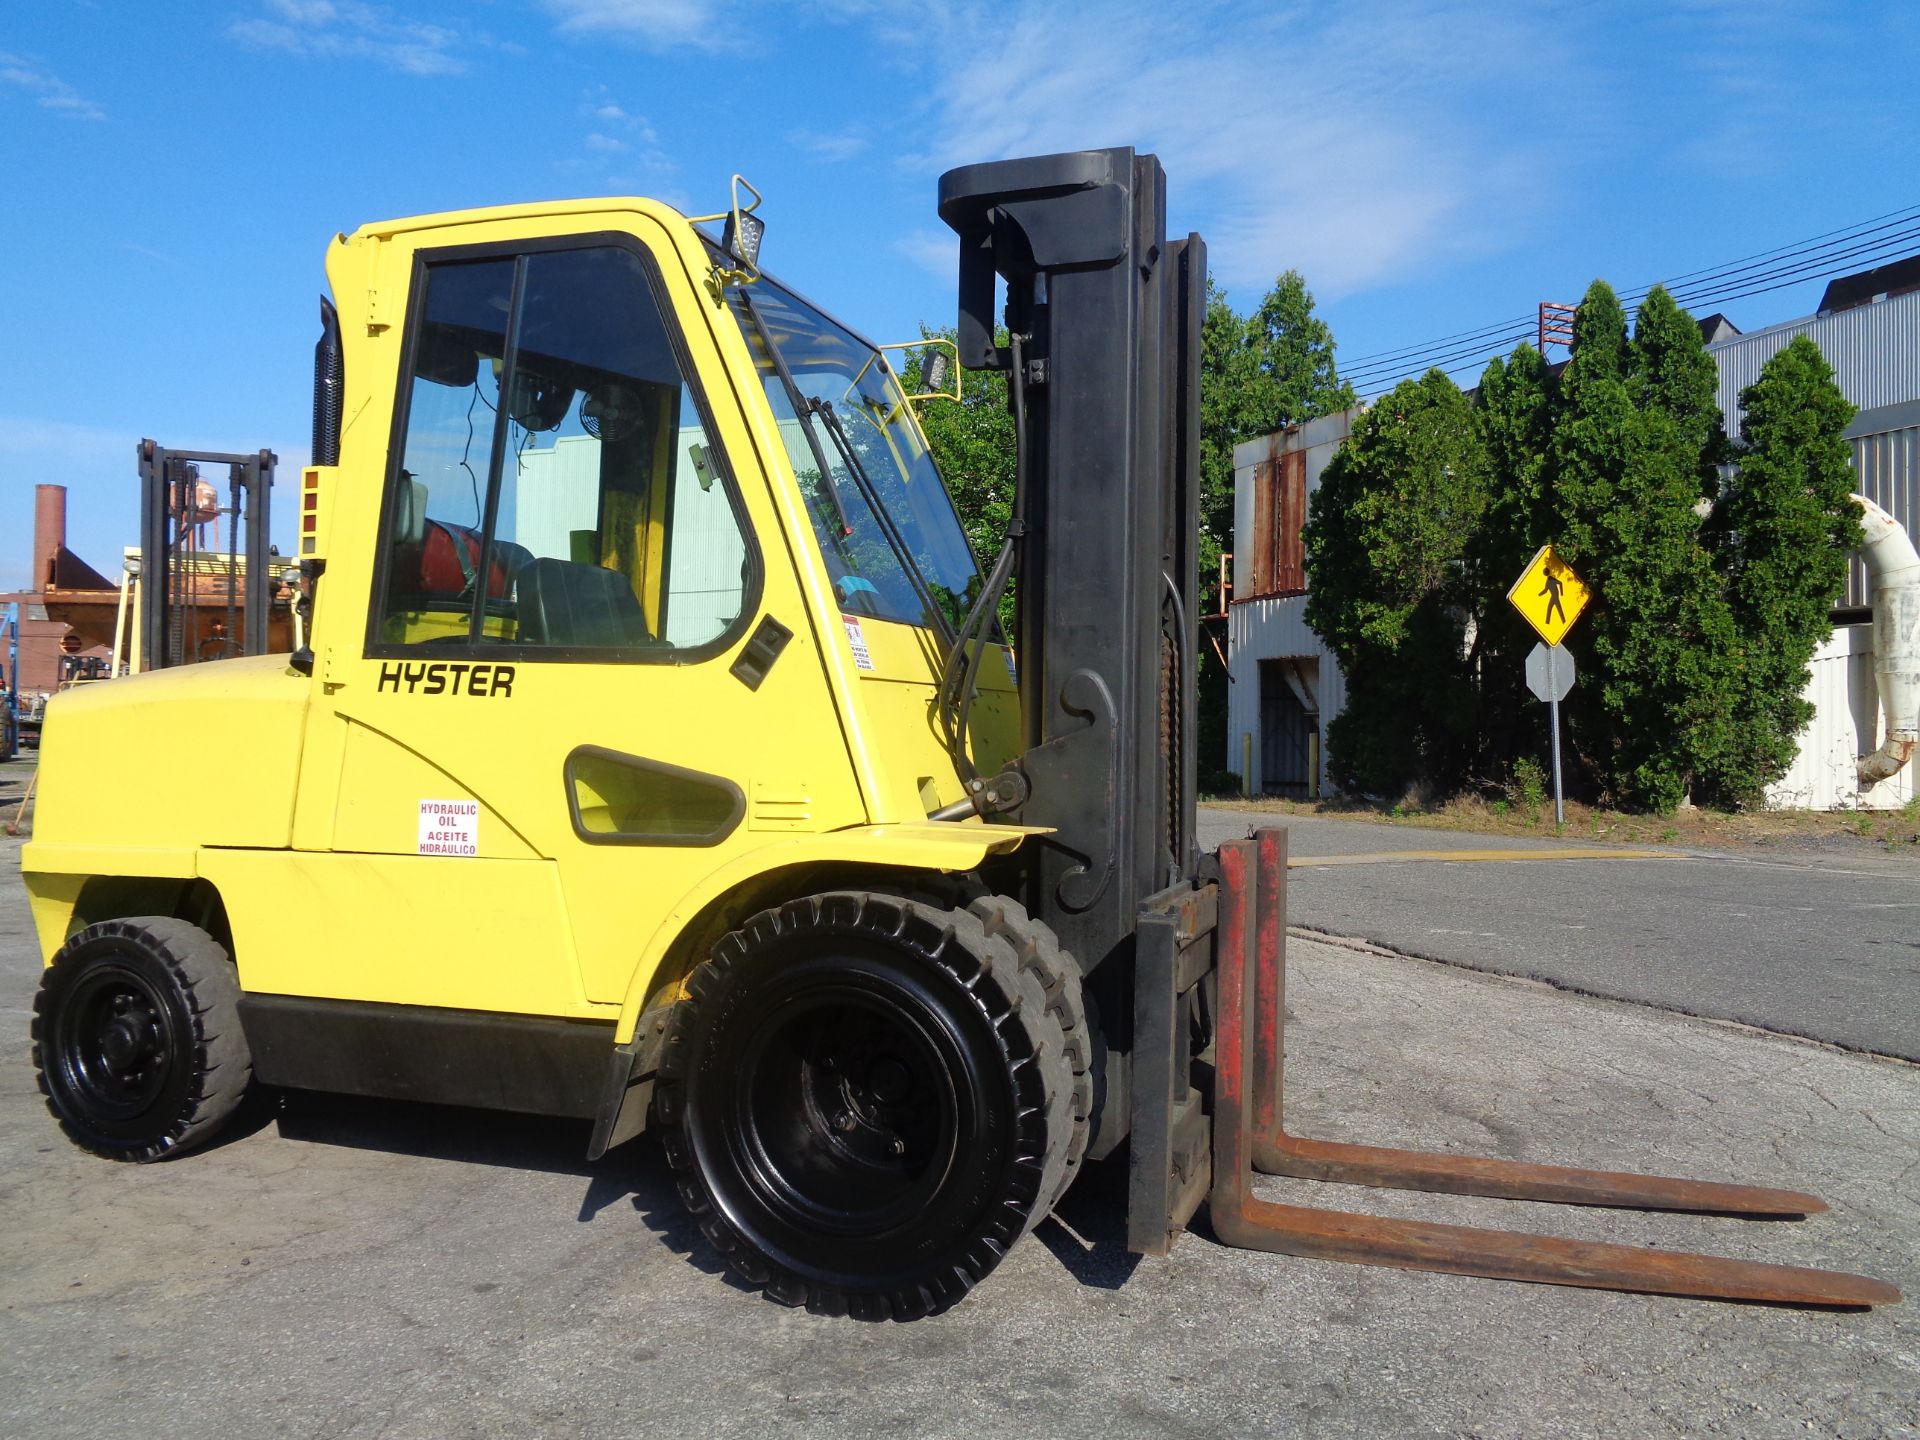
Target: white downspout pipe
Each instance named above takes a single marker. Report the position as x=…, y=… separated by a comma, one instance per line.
x=1893, y=569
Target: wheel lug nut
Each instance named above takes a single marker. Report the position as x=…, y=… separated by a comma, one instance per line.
x=844, y=1121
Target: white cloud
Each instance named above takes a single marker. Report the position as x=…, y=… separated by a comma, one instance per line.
x=840, y=145
x=1339, y=141
x=48, y=90
x=935, y=251
x=349, y=30
x=609, y=116
x=653, y=24
x=619, y=147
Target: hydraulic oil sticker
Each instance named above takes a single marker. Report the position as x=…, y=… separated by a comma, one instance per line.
x=862, y=656
x=449, y=827
x=1006, y=653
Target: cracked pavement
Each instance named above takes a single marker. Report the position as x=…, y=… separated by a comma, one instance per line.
x=358, y=1269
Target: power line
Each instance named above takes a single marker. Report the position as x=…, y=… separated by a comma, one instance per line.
x=1845, y=233
x=1821, y=256
x=1369, y=361
x=1828, y=240
x=1863, y=255
x=1498, y=344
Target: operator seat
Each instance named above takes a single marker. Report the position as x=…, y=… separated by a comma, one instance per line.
x=563, y=603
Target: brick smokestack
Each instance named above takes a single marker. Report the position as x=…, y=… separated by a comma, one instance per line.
x=49, y=530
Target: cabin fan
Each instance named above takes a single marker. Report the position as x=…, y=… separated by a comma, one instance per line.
x=611, y=415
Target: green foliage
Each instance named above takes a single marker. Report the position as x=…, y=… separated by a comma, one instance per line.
x=1273, y=368
x=1626, y=464
x=1294, y=378
x=1226, y=374
x=1388, y=585
x=1529, y=787
x=1674, y=374
x=1514, y=414
x=1780, y=533
x=972, y=444
x=1257, y=374
x=1695, y=650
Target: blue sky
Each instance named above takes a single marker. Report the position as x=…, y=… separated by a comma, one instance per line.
x=172, y=172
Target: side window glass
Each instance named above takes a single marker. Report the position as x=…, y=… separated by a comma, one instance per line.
x=439, y=502
x=599, y=517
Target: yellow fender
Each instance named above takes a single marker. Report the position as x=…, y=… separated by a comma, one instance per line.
x=913, y=845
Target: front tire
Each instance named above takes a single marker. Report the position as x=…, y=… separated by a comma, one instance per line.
x=137, y=1039
x=867, y=1103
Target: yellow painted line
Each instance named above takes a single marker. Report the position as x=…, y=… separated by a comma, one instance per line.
x=1387, y=857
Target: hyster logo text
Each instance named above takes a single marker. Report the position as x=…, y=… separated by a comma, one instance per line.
x=447, y=677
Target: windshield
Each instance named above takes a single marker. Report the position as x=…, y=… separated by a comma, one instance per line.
x=870, y=485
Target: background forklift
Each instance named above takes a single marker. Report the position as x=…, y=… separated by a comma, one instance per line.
x=656, y=760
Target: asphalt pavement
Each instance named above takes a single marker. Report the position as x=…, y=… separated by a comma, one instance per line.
x=350, y=1268
x=358, y=1269
x=1820, y=945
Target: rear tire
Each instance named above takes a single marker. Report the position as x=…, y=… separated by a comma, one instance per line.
x=866, y=1101
x=137, y=1040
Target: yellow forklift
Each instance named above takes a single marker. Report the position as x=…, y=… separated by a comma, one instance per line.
x=656, y=759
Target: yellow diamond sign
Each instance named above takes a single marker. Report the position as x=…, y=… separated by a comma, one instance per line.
x=1549, y=595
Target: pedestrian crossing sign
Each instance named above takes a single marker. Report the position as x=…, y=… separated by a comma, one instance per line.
x=1549, y=595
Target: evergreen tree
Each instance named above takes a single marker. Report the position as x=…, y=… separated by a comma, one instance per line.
x=972, y=445
x=1626, y=465
x=1292, y=377
x=1227, y=375
x=1514, y=411
x=1780, y=535
x=1258, y=374
x=1674, y=380
x=1387, y=585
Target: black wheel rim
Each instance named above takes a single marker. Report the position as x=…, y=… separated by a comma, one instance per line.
x=846, y=1122
x=116, y=1044
x=851, y=1115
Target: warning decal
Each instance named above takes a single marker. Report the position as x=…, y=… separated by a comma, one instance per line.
x=862, y=656
x=449, y=827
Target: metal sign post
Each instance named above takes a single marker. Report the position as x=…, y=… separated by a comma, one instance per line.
x=1553, y=729
x=1550, y=597
x=1550, y=676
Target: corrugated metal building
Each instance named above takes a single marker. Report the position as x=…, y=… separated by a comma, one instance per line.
x=1846, y=725
x=1873, y=344
x=1286, y=687
x=1874, y=349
